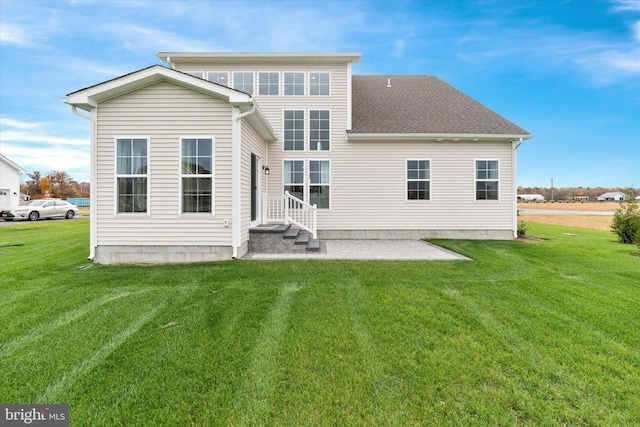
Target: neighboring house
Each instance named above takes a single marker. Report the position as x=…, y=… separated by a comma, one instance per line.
x=185, y=160
x=10, y=174
x=637, y=197
x=612, y=196
x=531, y=197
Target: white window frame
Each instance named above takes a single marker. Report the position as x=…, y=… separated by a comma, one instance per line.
x=310, y=184
x=304, y=130
x=310, y=82
x=304, y=172
x=188, y=175
x=198, y=74
x=476, y=180
x=227, y=78
x=253, y=81
x=311, y=148
x=407, y=180
x=269, y=84
x=284, y=83
x=117, y=175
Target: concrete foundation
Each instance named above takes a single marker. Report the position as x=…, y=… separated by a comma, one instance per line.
x=131, y=254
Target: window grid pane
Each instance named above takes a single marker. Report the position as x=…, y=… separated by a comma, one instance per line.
x=319, y=125
x=294, y=84
x=319, y=84
x=418, y=179
x=269, y=84
x=243, y=82
x=319, y=183
x=218, y=77
x=131, y=159
x=487, y=174
x=197, y=161
x=294, y=130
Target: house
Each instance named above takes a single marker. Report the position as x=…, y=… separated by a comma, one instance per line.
x=10, y=177
x=187, y=159
x=530, y=198
x=612, y=196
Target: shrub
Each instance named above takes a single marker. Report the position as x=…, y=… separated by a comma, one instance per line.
x=523, y=227
x=626, y=221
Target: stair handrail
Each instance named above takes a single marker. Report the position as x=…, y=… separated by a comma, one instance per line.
x=301, y=213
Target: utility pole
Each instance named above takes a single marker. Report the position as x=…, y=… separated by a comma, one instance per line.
x=552, y=189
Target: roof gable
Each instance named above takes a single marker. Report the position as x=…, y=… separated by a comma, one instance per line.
x=422, y=105
x=11, y=164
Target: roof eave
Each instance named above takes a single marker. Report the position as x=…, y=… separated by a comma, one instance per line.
x=435, y=137
x=273, y=57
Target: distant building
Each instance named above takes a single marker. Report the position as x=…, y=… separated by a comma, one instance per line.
x=581, y=198
x=530, y=198
x=9, y=183
x=612, y=196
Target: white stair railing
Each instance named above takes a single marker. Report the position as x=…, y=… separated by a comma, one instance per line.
x=290, y=210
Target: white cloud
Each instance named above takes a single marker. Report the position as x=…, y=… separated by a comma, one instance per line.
x=626, y=5
x=138, y=38
x=73, y=161
x=12, y=34
x=23, y=136
x=4, y=121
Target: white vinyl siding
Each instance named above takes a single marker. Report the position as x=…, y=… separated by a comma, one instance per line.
x=165, y=112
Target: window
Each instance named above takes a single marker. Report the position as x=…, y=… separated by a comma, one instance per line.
x=294, y=130
x=243, y=82
x=131, y=174
x=318, y=130
x=293, y=178
x=197, y=174
x=319, y=84
x=486, y=180
x=199, y=74
x=418, y=179
x=218, y=77
x=319, y=181
x=269, y=84
x=294, y=84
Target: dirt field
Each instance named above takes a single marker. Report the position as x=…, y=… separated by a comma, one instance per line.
x=590, y=207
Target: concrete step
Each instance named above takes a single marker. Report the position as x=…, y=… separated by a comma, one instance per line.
x=303, y=238
x=313, y=245
x=291, y=233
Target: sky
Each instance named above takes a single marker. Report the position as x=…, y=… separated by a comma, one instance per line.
x=566, y=71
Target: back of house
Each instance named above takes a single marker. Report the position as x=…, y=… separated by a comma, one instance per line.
x=187, y=159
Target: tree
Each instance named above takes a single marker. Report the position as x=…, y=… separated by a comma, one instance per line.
x=32, y=187
x=61, y=185
x=45, y=186
x=626, y=220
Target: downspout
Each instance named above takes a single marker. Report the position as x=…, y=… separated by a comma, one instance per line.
x=93, y=226
x=514, y=161
x=236, y=184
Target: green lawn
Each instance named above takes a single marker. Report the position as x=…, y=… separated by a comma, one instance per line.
x=529, y=333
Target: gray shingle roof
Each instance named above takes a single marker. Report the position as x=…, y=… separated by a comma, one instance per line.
x=421, y=104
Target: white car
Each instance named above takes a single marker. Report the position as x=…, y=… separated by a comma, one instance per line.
x=43, y=208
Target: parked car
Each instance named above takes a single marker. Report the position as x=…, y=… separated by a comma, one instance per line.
x=43, y=208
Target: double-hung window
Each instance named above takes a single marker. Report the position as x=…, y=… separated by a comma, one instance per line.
x=222, y=78
x=293, y=178
x=319, y=183
x=197, y=174
x=294, y=130
x=418, y=180
x=487, y=179
x=319, y=124
x=294, y=84
x=269, y=84
x=319, y=84
x=199, y=74
x=131, y=174
x=243, y=81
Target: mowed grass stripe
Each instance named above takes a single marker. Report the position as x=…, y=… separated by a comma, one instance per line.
x=254, y=400
x=70, y=316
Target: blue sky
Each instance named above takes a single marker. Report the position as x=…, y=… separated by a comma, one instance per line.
x=566, y=71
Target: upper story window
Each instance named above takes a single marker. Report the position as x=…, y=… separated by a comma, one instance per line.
x=222, y=78
x=319, y=84
x=418, y=179
x=294, y=130
x=487, y=179
x=131, y=174
x=243, y=81
x=319, y=124
x=196, y=74
x=269, y=84
x=294, y=84
x=197, y=174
